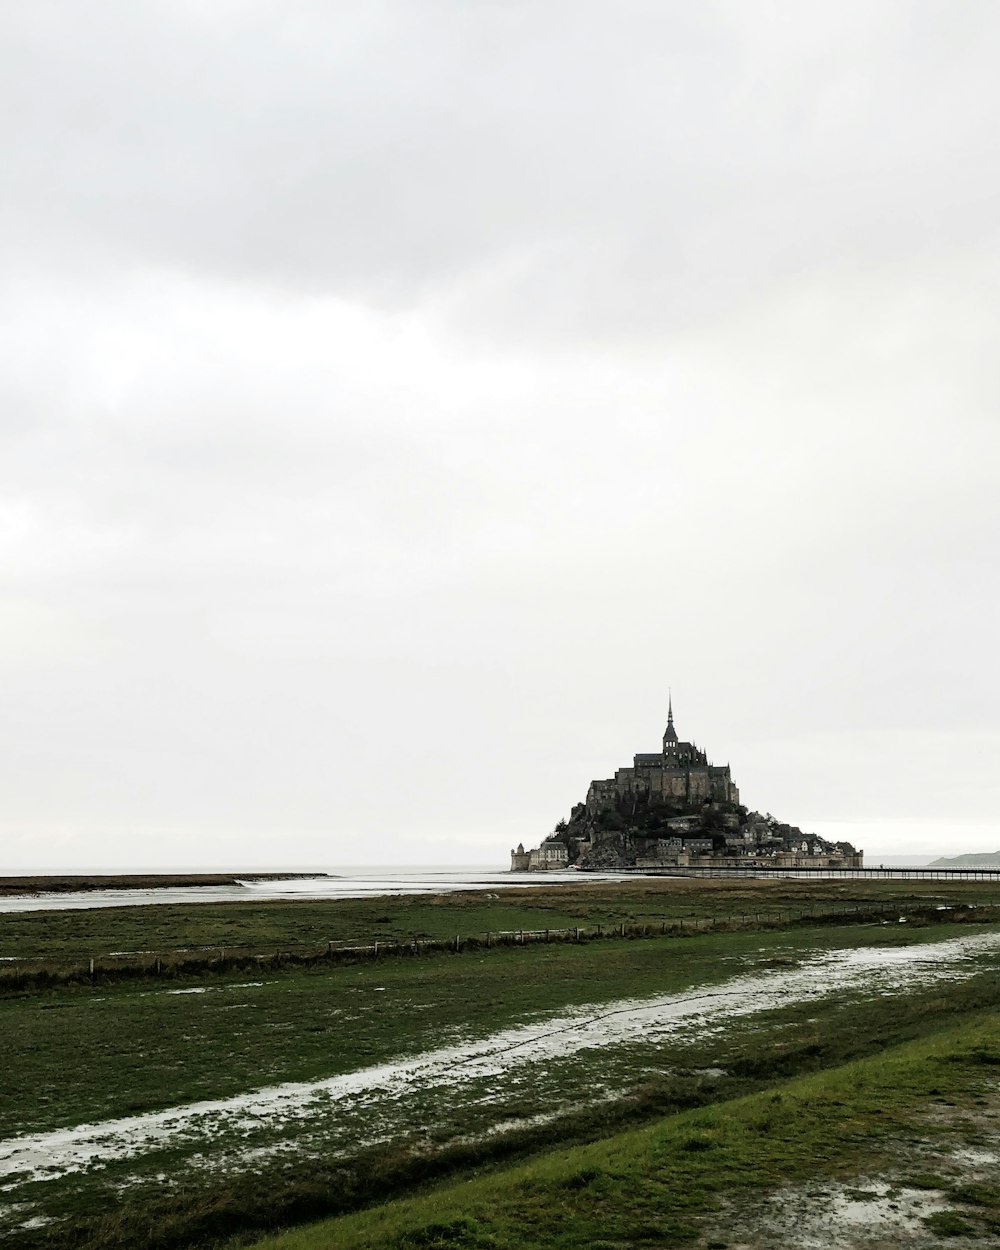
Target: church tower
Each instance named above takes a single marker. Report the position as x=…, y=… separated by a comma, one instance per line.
x=670, y=734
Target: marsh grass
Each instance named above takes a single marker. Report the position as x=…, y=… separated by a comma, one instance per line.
x=250, y=928
x=26, y=974
x=124, y=1042
x=662, y=1185
x=131, y=1031
x=89, y=1053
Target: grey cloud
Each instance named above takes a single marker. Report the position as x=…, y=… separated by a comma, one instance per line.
x=650, y=168
x=396, y=399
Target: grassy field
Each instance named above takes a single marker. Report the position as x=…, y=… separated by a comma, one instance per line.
x=676, y=1182
x=90, y=1055
x=268, y=926
x=79, y=1053
x=138, y=1049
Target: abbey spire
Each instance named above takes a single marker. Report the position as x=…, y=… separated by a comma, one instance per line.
x=671, y=733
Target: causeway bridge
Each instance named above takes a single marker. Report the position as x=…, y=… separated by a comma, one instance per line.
x=760, y=871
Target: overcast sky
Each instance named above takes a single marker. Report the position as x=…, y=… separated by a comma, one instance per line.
x=396, y=399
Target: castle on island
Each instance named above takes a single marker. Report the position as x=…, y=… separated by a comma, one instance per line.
x=679, y=771
x=673, y=807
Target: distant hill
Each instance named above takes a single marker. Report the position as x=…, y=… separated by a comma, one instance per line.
x=981, y=859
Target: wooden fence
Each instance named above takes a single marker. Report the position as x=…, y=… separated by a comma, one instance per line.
x=26, y=973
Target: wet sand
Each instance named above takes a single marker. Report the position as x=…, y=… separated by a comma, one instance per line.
x=85, y=884
x=251, y=889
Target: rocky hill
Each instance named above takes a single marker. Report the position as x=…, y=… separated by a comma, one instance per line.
x=642, y=831
x=675, y=807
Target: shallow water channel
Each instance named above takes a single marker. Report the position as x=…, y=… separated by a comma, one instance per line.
x=333, y=886
x=378, y=1103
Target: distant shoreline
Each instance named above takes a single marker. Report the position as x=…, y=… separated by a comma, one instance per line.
x=973, y=859
x=69, y=884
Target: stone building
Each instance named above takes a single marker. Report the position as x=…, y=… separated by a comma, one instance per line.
x=680, y=770
x=673, y=807
x=550, y=855
x=520, y=859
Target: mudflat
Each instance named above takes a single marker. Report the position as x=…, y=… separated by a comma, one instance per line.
x=133, y=881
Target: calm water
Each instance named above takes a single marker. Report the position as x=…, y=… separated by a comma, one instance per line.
x=346, y=885
x=382, y=882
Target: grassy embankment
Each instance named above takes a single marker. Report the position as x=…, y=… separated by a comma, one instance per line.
x=677, y=1181
x=135, y=1049
x=282, y=925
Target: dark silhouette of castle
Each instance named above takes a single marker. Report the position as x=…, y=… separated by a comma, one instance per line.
x=674, y=808
x=679, y=771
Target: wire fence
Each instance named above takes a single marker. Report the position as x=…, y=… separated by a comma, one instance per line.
x=17, y=973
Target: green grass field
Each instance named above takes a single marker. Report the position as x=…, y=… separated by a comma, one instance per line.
x=82, y=1053
x=669, y=1184
x=269, y=926
x=96, y=1054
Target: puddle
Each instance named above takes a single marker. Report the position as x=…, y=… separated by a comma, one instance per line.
x=205, y=989
x=884, y=1211
x=37, y=1221
x=867, y=1213
x=975, y=1157
x=874, y=970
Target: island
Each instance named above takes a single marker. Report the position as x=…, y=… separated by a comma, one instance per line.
x=674, y=808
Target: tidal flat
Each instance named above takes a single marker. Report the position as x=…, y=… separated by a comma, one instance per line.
x=267, y=925
x=176, y=1113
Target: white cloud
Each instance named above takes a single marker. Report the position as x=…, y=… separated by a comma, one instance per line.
x=395, y=403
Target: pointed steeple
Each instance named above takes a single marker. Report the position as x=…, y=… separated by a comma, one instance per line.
x=671, y=733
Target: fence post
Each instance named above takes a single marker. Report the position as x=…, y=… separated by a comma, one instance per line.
x=458, y=942
x=578, y=933
x=92, y=965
